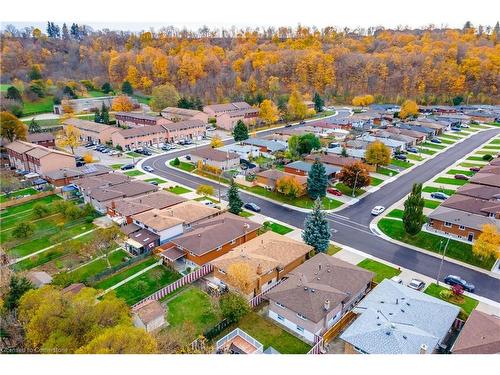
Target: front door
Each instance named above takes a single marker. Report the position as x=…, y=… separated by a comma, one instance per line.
x=470, y=237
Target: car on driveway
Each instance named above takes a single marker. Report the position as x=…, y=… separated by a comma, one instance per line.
x=465, y=126
x=456, y=128
x=334, y=191
x=413, y=150
x=397, y=279
x=436, y=140
x=416, y=284
x=474, y=169
x=400, y=157
x=377, y=210
x=252, y=207
x=147, y=168
x=155, y=183
x=439, y=195
x=457, y=280
x=127, y=167
x=461, y=177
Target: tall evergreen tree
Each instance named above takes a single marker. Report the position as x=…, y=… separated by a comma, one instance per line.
x=104, y=114
x=319, y=103
x=14, y=94
x=240, y=131
x=106, y=88
x=17, y=287
x=34, y=127
x=127, y=88
x=317, y=229
x=413, y=215
x=74, y=31
x=235, y=202
x=97, y=116
x=64, y=31
x=317, y=180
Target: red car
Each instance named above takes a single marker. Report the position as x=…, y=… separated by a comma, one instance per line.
x=334, y=191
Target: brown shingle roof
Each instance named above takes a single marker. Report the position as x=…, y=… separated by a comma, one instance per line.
x=88, y=125
x=190, y=211
x=142, y=131
x=479, y=191
x=19, y=147
x=159, y=199
x=149, y=311
x=126, y=189
x=490, y=179
x=228, y=106
x=157, y=220
x=109, y=179
x=469, y=204
x=339, y=161
x=480, y=335
x=275, y=174
x=322, y=278
x=214, y=154
x=40, y=137
x=212, y=233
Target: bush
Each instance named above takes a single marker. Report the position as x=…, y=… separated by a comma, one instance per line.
x=176, y=161
x=233, y=306
x=445, y=294
x=487, y=157
x=23, y=230
x=40, y=210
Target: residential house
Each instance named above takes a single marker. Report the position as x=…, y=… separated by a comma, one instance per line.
x=92, y=131
x=37, y=159
x=356, y=153
x=268, y=258
x=175, y=114
x=270, y=177
x=39, y=278
x=335, y=160
x=302, y=168
x=479, y=335
x=65, y=176
x=130, y=139
x=210, y=239
x=73, y=288
x=487, y=177
x=394, y=145
x=45, y=139
x=160, y=223
x=394, y=319
x=309, y=104
x=409, y=141
x=419, y=136
x=134, y=119
x=266, y=146
x=228, y=120
x=149, y=315
x=190, y=129
x=121, y=210
x=238, y=342
x=222, y=160
x=422, y=129
x=317, y=294
x=216, y=110
x=246, y=152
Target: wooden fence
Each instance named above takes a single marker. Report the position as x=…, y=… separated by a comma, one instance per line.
x=258, y=299
x=334, y=330
x=188, y=279
x=15, y=202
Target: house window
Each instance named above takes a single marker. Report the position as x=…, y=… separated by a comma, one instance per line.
x=280, y=305
x=462, y=227
x=233, y=242
x=301, y=316
x=219, y=248
x=221, y=271
x=447, y=224
x=281, y=318
x=300, y=329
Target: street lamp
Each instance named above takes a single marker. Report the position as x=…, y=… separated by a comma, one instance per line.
x=442, y=260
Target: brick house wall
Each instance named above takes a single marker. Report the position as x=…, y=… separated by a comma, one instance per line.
x=453, y=229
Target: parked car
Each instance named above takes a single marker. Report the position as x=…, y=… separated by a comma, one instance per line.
x=456, y=128
x=413, y=150
x=474, y=169
x=188, y=157
x=397, y=279
x=457, y=280
x=377, y=210
x=334, y=191
x=439, y=195
x=155, y=183
x=188, y=142
x=465, y=126
x=288, y=125
x=166, y=147
x=416, y=284
x=147, y=168
x=302, y=122
x=461, y=177
x=252, y=207
x=400, y=157
x=80, y=163
x=127, y=167
x=334, y=145
x=436, y=140
x=87, y=145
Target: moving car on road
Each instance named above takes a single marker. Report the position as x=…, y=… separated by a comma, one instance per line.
x=147, y=168
x=439, y=195
x=416, y=284
x=457, y=280
x=252, y=207
x=377, y=210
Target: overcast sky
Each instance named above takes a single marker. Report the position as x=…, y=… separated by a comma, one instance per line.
x=142, y=15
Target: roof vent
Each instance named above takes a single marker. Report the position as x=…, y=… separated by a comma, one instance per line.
x=407, y=303
x=382, y=302
x=402, y=311
x=393, y=326
x=305, y=288
x=388, y=333
x=312, y=290
x=379, y=324
x=405, y=337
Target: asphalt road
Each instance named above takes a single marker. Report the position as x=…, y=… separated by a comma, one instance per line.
x=350, y=226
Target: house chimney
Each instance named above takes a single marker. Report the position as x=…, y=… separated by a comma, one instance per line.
x=423, y=349
x=113, y=205
x=259, y=269
x=326, y=305
x=319, y=266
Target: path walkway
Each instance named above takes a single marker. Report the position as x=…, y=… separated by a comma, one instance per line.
x=120, y=283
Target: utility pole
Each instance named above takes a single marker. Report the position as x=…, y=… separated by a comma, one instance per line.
x=355, y=182
x=442, y=261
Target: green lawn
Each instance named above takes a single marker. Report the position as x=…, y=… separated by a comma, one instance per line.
x=193, y=305
x=432, y=189
x=381, y=270
x=188, y=167
x=495, y=142
x=134, y=173
x=429, y=203
x=269, y=334
x=26, y=207
x=468, y=304
x=116, y=166
x=460, y=171
x=433, y=145
x=374, y=181
x=4, y=86
x=245, y=214
x=426, y=151
x=447, y=141
x=387, y=171
x=156, y=179
x=134, y=154
x=277, y=228
x=450, y=181
x=146, y=284
x=178, y=189
x=475, y=158
x=486, y=152
x=414, y=157
x=124, y=273
x=450, y=136
x=27, y=191
x=346, y=190
x=332, y=249
x=401, y=163
x=40, y=106
x=470, y=165
x=456, y=249
x=396, y=213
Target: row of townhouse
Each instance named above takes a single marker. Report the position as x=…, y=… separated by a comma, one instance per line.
x=227, y=115
x=474, y=205
x=35, y=158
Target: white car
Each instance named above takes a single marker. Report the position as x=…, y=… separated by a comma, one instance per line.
x=148, y=168
x=397, y=280
x=377, y=210
x=465, y=126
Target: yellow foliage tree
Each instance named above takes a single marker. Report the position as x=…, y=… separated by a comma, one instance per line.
x=122, y=103
x=377, y=154
x=363, y=100
x=205, y=189
x=69, y=136
x=409, y=108
x=297, y=109
x=289, y=186
x=88, y=157
x=268, y=112
x=487, y=245
x=240, y=276
x=216, y=142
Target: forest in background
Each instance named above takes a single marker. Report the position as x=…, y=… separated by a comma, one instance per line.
x=431, y=65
